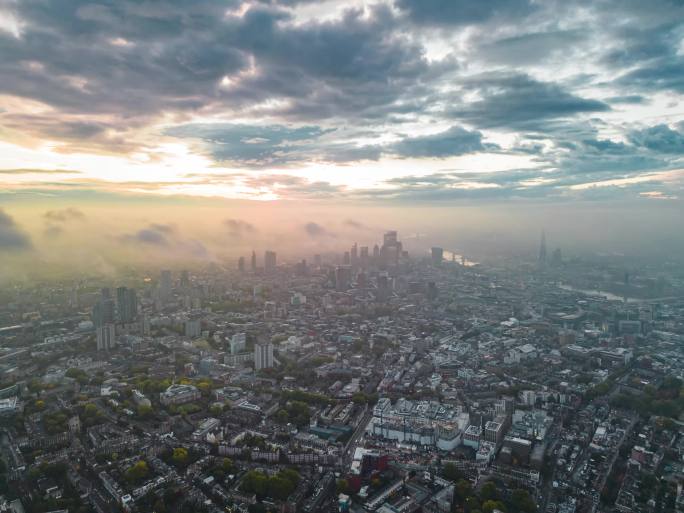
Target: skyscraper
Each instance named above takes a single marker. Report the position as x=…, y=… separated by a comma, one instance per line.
x=106, y=337
x=103, y=310
x=263, y=356
x=241, y=264
x=391, y=249
x=238, y=342
x=269, y=261
x=542, y=249
x=127, y=304
x=363, y=257
x=390, y=238
x=253, y=262
x=437, y=255
x=383, y=290
x=165, y=285
x=185, y=279
x=343, y=275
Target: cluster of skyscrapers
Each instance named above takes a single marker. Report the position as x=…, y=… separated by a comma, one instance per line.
x=107, y=311
x=270, y=262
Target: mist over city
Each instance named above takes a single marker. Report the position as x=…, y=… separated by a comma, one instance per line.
x=356, y=256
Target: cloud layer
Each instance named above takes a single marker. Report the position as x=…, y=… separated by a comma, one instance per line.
x=445, y=99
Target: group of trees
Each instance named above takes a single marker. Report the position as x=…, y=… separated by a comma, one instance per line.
x=78, y=374
x=91, y=415
x=278, y=487
x=222, y=469
x=55, y=422
x=296, y=412
x=666, y=400
x=137, y=473
x=488, y=498
x=70, y=499
x=180, y=457
x=305, y=397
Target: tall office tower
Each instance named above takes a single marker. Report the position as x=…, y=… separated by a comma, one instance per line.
x=354, y=255
x=185, y=279
x=317, y=260
x=193, y=328
x=106, y=337
x=106, y=293
x=96, y=314
x=127, y=303
x=391, y=249
x=103, y=310
x=269, y=261
x=383, y=292
x=432, y=291
x=343, y=276
x=238, y=343
x=437, y=255
x=376, y=253
x=241, y=264
x=542, y=249
x=263, y=355
x=346, y=258
x=165, y=285
x=390, y=238
x=253, y=262
x=301, y=268
x=145, y=325
x=363, y=257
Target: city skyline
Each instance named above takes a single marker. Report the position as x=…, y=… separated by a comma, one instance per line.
x=341, y=256
x=135, y=133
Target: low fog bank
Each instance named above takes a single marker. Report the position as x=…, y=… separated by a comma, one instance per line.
x=50, y=238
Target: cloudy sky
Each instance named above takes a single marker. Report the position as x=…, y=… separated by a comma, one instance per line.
x=409, y=102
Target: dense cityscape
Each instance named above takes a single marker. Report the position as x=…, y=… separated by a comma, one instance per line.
x=372, y=380
x=341, y=256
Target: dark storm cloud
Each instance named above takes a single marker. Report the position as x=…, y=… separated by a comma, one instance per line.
x=659, y=138
x=276, y=144
x=454, y=141
x=124, y=58
x=462, y=12
x=135, y=60
x=627, y=99
x=331, y=90
x=649, y=57
x=517, y=101
x=532, y=48
x=662, y=75
x=635, y=45
x=11, y=236
x=250, y=144
x=358, y=66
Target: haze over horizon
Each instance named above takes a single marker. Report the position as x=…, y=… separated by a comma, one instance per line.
x=140, y=131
